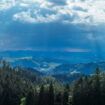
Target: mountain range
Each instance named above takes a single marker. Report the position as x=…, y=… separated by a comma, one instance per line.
x=57, y=67
x=49, y=65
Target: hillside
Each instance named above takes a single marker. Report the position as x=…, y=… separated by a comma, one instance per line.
x=53, y=66
x=21, y=86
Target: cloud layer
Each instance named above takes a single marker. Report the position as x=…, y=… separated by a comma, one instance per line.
x=52, y=25
x=89, y=12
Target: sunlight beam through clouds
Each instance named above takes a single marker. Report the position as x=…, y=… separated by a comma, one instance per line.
x=67, y=25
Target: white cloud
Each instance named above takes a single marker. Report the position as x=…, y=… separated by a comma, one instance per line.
x=24, y=5
x=91, y=12
x=6, y=4
x=26, y=17
x=95, y=12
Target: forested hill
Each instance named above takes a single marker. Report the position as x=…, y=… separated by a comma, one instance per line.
x=17, y=83
x=21, y=87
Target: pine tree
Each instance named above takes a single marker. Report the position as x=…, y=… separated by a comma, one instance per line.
x=30, y=99
x=96, y=87
x=77, y=92
x=86, y=91
x=59, y=98
x=66, y=95
x=51, y=94
x=41, y=96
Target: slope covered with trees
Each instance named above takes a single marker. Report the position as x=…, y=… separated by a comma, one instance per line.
x=21, y=87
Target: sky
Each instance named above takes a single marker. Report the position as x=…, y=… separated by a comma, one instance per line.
x=53, y=25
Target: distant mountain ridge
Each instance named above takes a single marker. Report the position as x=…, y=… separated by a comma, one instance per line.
x=52, y=66
x=47, y=66
x=84, y=68
x=53, y=63
x=56, y=56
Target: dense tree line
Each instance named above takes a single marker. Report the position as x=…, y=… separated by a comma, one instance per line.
x=90, y=91
x=21, y=87
x=84, y=91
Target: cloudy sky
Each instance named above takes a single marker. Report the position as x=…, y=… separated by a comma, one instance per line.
x=52, y=25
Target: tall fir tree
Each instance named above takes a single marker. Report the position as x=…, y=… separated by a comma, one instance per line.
x=41, y=96
x=96, y=86
x=51, y=94
x=66, y=95
x=58, y=100
x=30, y=99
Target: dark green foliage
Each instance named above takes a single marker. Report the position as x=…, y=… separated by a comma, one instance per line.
x=66, y=95
x=51, y=95
x=21, y=87
x=42, y=96
x=30, y=99
x=59, y=98
x=87, y=91
x=23, y=101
